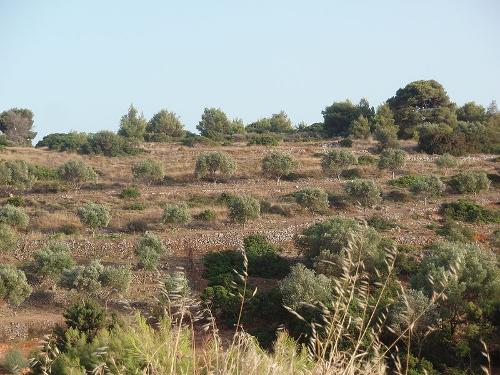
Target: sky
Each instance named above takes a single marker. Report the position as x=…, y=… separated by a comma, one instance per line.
x=78, y=65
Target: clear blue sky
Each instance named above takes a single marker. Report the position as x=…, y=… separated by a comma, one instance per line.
x=79, y=64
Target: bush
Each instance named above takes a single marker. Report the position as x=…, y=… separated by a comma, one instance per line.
x=452, y=231
x=469, y=182
x=176, y=214
x=206, y=215
x=265, y=140
x=263, y=260
x=165, y=124
x=366, y=160
x=13, y=216
x=365, y=192
x=464, y=210
x=214, y=165
x=16, y=173
x=243, y=209
x=14, y=361
x=220, y=266
x=399, y=196
x=53, y=259
x=148, y=171
x=149, y=249
x=257, y=245
x=94, y=215
x=43, y=173
x=428, y=186
x=14, y=287
x=76, y=172
x=351, y=174
x=346, y=142
x=278, y=164
x=63, y=141
x=130, y=192
x=446, y=161
x=108, y=143
x=16, y=201
x=117, y=278
x=316, y=200
x=86, y=317
x=333, y=162
x=380, y=223
x=392, y=160
x=406, y=181
x=176, y=285
x=85, y=278
x=135, y=206
x=8, y=238
x=360, y=128
x=137, y=225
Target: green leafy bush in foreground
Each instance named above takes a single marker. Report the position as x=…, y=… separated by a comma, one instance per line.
x=468, y=211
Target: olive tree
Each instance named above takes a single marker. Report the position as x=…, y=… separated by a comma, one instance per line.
x=94, y=216
x=278, y=164
x=316, y=200
x=365, y=192
x=176, y=214
x=214, y=165
x=84, y=278
x=14, y=287
x=13, y=216
x=428, y=186
x=469, y=182
x=148, y=171
x=243, y=208
x=53, y=259
x=76, y=172
x=149, y=249
x=392, y=160
x=17, y=126
x=334, y=162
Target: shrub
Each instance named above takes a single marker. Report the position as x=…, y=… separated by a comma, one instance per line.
x=63, y=141
x=446, y=161
x=43, y=173
x=84, y=278
x=316, y=200
x=53, y=259
x=176, y=214
x=206, y=215
x=149, y=249
x=137, y=225
x=428, y=186
x=85, y=316
x=263, y=260
x=14, y=361
x=365, y=192
x=13, y=216
x=366, y=160
x=148, y=171
x=360, y=128
x=345, y=142
x=469, y=182
x=265, y=140
x=257, y=245
x=166, y=124
x=94, y=215
x=117, y=278
x=387, y=136
x=14, y=287
x=214, y=165
x=278, y=164
x=176, y=285
x=333, y=162
x=399, y=196
x=76, y=172
x=108, y=143
x=130, y=192
x=243, y=209
x=464, y=210
x=135, y=206
x=16, y=201
x=8, y=238
x=351, y=174
x=453, y=231
x=380, y=223
x=16, y=173
x=219, y=267
x=392, y=160
x=406, y=181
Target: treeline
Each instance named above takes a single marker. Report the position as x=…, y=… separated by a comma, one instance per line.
x=421, y=110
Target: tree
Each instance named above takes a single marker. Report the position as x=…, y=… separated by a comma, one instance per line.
x=76, y=172
x=334, y=162
x=421, y=102
x=446, y=161
x=470, y=182
x=392, y=160
x=53, y=259
x=108, y=143
x=148, y=171
x=428, y=186
x=17, y=126
x=280, y=123
x=84, y=278
x=132, y=125
x=87, y=317
x=277, y=164
x=338, y=117
x=316, y=200
x=214, y=165
x=214, y=124
x=471, y=112
x=17, y=173
x=149, y=249
x=167, y=124
x=365, y=192
x=386, y=131
x=94, y=216
x=492, y=109
x=243, y=209
x=8, y=238
x=176, y=214
x=14, y=287
x=360, y=128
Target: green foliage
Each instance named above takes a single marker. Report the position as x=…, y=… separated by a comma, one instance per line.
x=14, y=287
x=214, y=165
x=149, y=249
x=380, y=223
x=63, y=141
x=365, y=192
x=176, y=284
x=468, y=211
x=94, y=215
x=469, y=182
x=428, y=186
x=243, y=208
x=206, y=215
x=132, y=125
x=130, y=192
x=453, y=231
x=148, y=171
x=316, y=200
x=345, y=142
x=13, y=216
x=339, y=116
x=8, y=238
x=84, y=278
x=16, y=173
x=220, y=266
x=167, y=124
x=263, y=259
x=278, y=164
x=85, y=316
x=53, y=259
x=16, y=125
x=392, y=160
x=446, y=161
x=117, y=278
x=360, y=128
x=471, y=112
x=333, y=162
x=407, y=181
x=176, y=214
x=214, y=124
x=16, y=201
x=366, y=160
x=386, y=131
x=108, y=143
x=135, y=206
x=351, y=174
x=277, y=123
x=76, y=172
x=265, y=140
x=14, y=361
